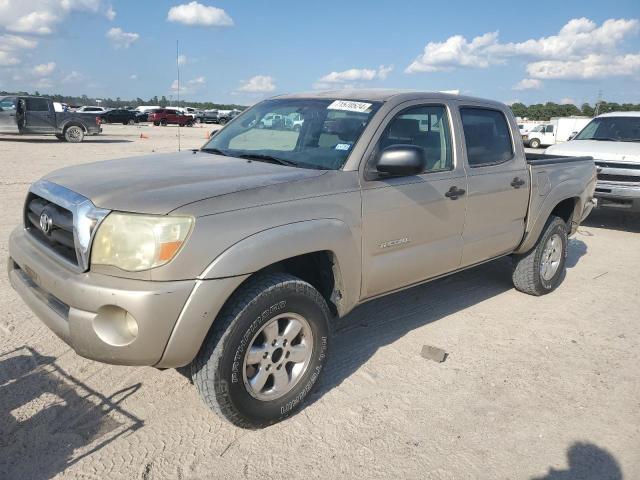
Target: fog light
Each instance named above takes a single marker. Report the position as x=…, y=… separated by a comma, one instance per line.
x=115, y=326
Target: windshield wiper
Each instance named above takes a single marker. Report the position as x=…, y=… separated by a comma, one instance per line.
x=267, y=158
x=605, y=139
x=215, y=151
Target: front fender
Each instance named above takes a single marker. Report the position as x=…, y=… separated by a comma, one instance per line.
x=279, y=243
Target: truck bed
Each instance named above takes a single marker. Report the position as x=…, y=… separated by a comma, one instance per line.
x=543, y=159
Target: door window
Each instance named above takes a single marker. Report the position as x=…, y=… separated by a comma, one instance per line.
x=37, y=105
x=426, y=127
x=486, y=135
x=548, y=129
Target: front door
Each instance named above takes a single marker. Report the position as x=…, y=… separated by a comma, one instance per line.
x=40, y=116
x=412, y=228
x=498, y=181
x=8, y=122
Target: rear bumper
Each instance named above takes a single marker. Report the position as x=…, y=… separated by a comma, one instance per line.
x=92, y=312
x=618, y=196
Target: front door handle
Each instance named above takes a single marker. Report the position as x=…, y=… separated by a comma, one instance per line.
x=454, y=192
x=517, y=182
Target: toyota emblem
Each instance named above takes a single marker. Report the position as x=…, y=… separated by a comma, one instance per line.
x=45, y=222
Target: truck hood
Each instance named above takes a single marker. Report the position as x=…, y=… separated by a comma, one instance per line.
x=160, y=183
x=599, y=150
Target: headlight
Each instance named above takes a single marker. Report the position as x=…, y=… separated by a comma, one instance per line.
x=138, y=242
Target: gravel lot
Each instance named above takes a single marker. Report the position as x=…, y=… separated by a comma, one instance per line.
x=544, y=388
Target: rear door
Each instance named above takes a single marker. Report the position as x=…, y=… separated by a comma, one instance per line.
x=40, y=116
x=8, y=123
x=498, y=184
x=412, y=228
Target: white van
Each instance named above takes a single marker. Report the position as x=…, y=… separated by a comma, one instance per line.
x=557, y=130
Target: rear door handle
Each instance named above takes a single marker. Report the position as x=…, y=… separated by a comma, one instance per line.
x=517, y=182
x=454, y=192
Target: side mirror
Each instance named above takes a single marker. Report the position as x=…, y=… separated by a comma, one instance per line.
x=573, y=134
x=402, y=160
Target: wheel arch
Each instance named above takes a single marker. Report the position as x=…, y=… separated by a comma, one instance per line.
x=322, y=252
x=566, y=207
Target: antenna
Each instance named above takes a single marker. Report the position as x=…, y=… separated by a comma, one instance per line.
x=178, y=92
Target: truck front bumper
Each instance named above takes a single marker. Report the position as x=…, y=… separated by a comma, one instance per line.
x=620, y=196
x=112, y=319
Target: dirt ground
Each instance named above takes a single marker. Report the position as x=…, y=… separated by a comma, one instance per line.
x=532, y=388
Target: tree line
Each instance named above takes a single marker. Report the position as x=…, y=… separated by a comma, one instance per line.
x=547, y=110
x=120, y=103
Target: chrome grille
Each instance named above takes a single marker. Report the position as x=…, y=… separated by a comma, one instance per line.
x=63, y=221
x=52, y=225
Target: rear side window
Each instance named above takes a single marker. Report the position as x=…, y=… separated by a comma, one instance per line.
x=37, y=105
x=486, y=135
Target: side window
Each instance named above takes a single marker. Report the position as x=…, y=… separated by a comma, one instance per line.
x=37, y=105
x=426, y=127
x=486, y=135
x=7, y=104
x=549, y=129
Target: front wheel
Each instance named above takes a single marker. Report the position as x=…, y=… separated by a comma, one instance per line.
x=265, y=351
x=74, y=134
x=542, y=269
x=534, y=143
x=131, y=122
x=163, y=123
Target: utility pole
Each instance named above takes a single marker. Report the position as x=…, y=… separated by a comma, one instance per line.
x=178, y=91
x=598, y=102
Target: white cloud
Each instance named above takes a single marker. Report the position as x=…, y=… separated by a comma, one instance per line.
x=189, y=86
x=42, y=83
x=528, y=84
x=121, y=39
x=110, y=13
x=195, y=13
x=40, y=17
x=258, y=84
x=575, y=52
x=74, y=77
x=7, y=59
x=589, y=67
x=44, y=69
x=10, y=46
x=182, y=59
x=355, y=75
x=567, y=101
x=133, y=76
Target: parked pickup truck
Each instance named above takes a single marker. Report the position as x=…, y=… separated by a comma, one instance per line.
x=234, y=259
x=613, y=140
x=37, y=115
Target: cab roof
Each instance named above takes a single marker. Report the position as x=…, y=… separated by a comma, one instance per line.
x=385, y=95
x=620, y=114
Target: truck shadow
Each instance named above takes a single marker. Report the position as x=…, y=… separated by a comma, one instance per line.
x=380, y=322
x=50, y=420
x=586, y=462
x=613, y=220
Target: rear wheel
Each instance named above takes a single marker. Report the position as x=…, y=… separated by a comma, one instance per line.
x=534, y=143
x=222, y=121
x=541, y=270
x=74, y=134
x=265, y=351
x=156, y=123
x=189, y=123
x=131, y=121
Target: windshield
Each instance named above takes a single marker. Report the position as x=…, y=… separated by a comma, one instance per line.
x=539, y=128
x=615, y=129
x=309, y=133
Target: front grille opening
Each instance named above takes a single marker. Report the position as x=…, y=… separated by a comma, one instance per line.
x=618, y=178
x=56, y=231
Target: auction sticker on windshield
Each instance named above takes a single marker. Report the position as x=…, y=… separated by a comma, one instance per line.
x=349, y=106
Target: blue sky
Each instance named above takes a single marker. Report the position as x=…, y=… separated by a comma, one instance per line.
x=243, y=51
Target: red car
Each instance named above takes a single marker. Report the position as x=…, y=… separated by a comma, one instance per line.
x=166, y=116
